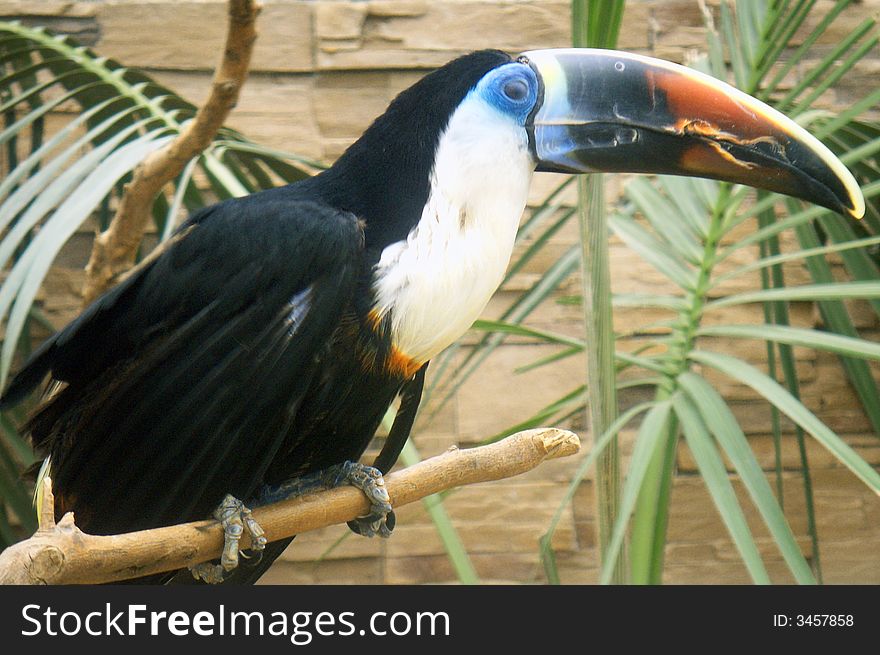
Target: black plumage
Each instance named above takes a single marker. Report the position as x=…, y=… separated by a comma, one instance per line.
x=246, y=353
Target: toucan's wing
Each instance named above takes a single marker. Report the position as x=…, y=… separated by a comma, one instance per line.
x=410, y=396
x=181, y=383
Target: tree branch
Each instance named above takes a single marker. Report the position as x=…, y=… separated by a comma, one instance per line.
x=63, y=554
x=114, y=250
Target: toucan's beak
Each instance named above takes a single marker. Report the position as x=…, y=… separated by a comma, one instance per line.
x=602, y=110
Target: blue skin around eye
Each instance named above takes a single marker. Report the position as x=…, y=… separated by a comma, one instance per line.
x=491, y=90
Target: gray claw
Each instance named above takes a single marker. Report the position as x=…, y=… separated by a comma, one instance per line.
x=380, y=521
x=207, y=572
x=368, y=479
x=235, y=519
x=373, y=524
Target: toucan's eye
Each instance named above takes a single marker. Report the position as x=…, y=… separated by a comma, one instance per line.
x=511, y=89
x=516, y=90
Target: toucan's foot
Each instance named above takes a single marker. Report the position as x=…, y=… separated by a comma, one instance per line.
x=207, y=572
x=375, y=523
x=380, y=521
x=368, y=479
x=235, y=519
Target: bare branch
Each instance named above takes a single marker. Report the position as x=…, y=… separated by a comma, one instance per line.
x=63, y=554
x=114, y=251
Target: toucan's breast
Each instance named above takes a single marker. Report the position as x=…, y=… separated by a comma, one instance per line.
x=434, y=284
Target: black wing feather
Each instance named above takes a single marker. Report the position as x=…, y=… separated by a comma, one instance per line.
x=181, y=382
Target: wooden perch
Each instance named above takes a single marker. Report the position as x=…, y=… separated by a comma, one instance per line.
x=62, y=554
x=114, y=250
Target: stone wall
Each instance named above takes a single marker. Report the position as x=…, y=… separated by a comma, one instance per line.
x=322, y=71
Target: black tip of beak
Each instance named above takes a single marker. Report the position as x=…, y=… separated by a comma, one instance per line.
x=795, y=169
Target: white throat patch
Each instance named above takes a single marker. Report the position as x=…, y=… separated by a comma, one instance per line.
x=436, y=283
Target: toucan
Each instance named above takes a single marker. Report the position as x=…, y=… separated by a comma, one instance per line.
x=264, y=345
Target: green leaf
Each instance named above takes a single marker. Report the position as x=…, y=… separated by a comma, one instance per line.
x=778, y=313
x=720, y=420
x=717, y=481
x=842, y=132
x=673, y=303
x=30, y=270
x=33, y=116
x=857, y=261
x=651, y=250
x=596, y=23
x=523, y=331
x=42, y=192
x=665, y=219
x=797, y=337
x=37, y=157
x=806, y=292
x=183, y=182
x=687, y=202
x=775, y=45
x=794, y=219
x=647, y=441
x=832, y=65
x=647, y=363
x=220, y=174
x=271, y=157
x=549, y=359
x=599, y=445
x=837, y=319
x=795, y=410
x=748, y=30
x=766, y=262
x=13, y=492
x=538, y=243
x=561, y=405
x=603, y=20
x=601, y=365
x=433, y=504
x=715, y=64
x=651, y=515
x=737, y=58
x=19, y=447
